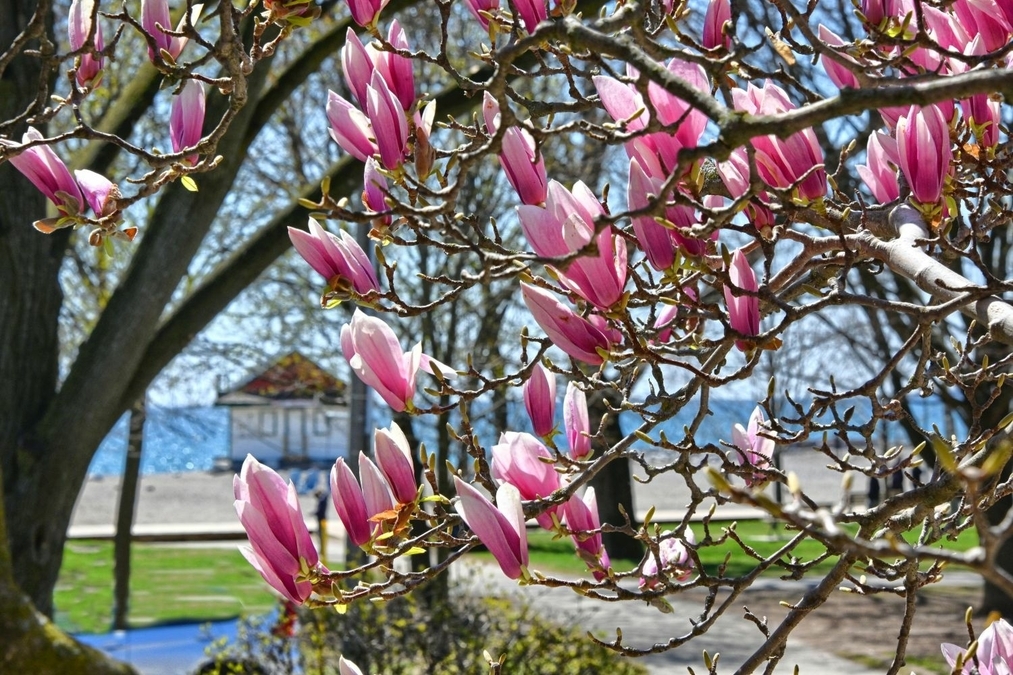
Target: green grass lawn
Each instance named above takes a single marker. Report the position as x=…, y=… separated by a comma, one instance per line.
x=171, y=583
x=557, y=556
x=167, y=583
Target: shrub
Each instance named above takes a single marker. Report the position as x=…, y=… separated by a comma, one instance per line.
x=405, y=636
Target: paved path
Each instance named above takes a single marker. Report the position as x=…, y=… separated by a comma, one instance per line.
x=643, y=626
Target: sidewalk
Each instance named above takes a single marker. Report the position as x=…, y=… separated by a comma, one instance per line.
x=643, y=627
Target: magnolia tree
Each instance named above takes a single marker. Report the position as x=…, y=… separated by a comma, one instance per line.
x=733, y=222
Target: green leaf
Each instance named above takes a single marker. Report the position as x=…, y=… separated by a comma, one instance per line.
x=189, y=183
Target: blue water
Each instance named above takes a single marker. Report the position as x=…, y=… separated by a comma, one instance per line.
x=189, y=439
x=175, y=439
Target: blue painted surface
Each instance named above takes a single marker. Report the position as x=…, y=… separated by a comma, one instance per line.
x=176, y=649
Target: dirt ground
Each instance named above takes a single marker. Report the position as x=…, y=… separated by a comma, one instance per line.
x=865, y=629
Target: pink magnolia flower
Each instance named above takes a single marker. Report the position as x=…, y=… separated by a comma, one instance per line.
x=983, y=18
x=280, y=545
x=100, y=192
x=374, y=354
x=625, y=105
x=623, y=102
x=479, y=7
x=339, y=259
x=186, y=122
x=374, y=191
x=357, y=65
x=743, y=310
x=981, y=113
x=673, y=560
x=500, y=528
x=359, y=62
x=665, y=321
x=660, y=241
x=387, y=118
x=879, y=173
x=349, y=503
x=719, y=13
x=753, y=449
x=79, y=27
x=155, y=13
x=543, y=227
x=518, y=459
x=735, y=175
x=673, y=110
x=581, y=517
x=994, y=653
x=924, y=151
x=575, y=420
x=365, y=12
x=565, y=226
x=532, y=12
x=396, y=69
x=984, y=114
x=520, y=159
x=346, y=667
x=425, y=154
x=655, y=239
x=783, y=163
x=838, y=74
x=350, y=128
x=48, y=173
x=945, y=29
x=1006, y=6
x=540, y=399
x=877, y=10
x=394, y=457
x=575, y=335
x=376, y=491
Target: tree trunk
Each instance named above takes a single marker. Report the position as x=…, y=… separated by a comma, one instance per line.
x=30, y=299
x=125, y=515
x=613, y=485
x=56, y=441
x=29, y=643
x=993, y=598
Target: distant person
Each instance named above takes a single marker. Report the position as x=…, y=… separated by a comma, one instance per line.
x=322, y=499
x=896, y=484
x=916, y=475
x=872, y=496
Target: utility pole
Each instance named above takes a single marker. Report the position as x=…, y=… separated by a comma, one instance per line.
x=358, y=412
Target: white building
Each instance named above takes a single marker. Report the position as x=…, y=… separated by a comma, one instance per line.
x=292, y=414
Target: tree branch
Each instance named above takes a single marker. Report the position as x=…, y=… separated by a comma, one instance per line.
x=905, y=255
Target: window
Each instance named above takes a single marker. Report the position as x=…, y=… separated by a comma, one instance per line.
x=268, y=423
x=321, y=424
x=243, y=422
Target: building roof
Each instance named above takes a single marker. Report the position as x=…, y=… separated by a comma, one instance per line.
x=293, y=376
